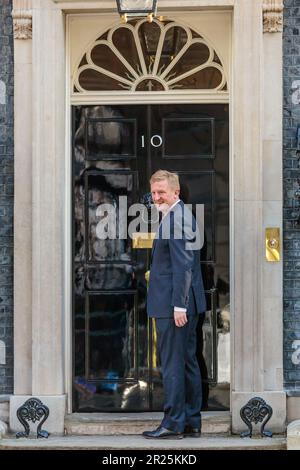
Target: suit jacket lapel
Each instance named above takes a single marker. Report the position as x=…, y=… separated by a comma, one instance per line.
x=159, y=231
x=153, y=248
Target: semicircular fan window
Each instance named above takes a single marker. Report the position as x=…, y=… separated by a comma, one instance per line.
x=143, y=56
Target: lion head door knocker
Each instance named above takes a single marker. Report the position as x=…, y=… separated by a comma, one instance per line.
x=150, y=214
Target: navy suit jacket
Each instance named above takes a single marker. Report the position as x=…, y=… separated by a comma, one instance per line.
x=175, y=273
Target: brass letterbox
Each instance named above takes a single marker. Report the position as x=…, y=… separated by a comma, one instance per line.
x=142, y=240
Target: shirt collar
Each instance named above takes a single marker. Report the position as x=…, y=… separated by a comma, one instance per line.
x=170, y=208
x=176, y=202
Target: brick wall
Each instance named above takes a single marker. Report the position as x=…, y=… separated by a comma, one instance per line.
x=6, y=198
x=291, y=183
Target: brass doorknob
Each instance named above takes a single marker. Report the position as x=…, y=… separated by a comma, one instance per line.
x=147, y=276
x=273, y=243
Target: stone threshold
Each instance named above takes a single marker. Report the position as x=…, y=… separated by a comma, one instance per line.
x=213, y=422
x=138, y=442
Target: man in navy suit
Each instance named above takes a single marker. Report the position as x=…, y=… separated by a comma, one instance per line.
x=175, y=299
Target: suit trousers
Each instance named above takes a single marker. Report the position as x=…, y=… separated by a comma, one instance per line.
x=180, y=372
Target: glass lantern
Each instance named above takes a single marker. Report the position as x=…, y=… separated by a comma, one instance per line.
x=137, y=8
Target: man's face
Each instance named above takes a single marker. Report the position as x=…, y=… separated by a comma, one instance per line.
x=163, y=195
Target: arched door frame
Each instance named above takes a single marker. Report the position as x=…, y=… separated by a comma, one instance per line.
x=113, y=97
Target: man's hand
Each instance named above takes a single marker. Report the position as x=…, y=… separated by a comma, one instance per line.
x=180, y=318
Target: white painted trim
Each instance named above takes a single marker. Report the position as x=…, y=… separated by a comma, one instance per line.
x=149, y=98
x=68, y=369
x=121, y=97
x=167, y=77
x=111, y=4
x=108, y=22
x=231, y=210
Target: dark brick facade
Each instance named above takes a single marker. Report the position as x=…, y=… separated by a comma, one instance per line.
x=6, y=196
x=291, y=183
x=291, y=203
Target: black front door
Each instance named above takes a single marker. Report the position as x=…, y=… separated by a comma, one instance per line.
x=115, y=151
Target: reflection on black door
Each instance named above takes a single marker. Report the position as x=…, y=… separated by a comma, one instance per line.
x=115, y=151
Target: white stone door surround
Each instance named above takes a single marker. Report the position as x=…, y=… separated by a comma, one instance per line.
x=42, y=289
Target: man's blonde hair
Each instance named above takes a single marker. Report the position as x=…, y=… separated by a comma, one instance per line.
x=162, y=175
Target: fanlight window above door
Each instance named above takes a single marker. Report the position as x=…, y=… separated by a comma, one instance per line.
x=143, y=56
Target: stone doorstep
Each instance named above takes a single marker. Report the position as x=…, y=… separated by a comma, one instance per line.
x=211, y=442
x=4, y=411
x=3, y=429
x=293, y=435
x=107, y=424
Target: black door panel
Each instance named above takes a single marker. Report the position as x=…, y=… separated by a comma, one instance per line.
x=115, y=151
